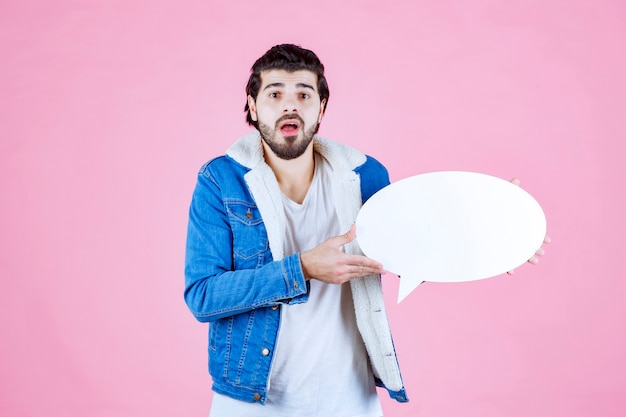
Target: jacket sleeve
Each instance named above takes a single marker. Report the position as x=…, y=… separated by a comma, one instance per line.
x=213, y=288
x=374, y=177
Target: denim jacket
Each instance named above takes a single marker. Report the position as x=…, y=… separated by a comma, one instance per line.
x=237, y=276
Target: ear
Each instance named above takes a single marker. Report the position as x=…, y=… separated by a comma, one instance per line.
x=322, y=107
x=252, y=107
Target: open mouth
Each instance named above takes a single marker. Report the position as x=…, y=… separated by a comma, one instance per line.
x=289, y=127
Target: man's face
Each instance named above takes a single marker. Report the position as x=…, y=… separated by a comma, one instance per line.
x=288, y=110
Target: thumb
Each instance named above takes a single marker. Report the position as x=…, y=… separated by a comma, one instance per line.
x=344, y=239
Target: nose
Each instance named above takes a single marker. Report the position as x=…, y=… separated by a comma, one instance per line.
x=290, y=106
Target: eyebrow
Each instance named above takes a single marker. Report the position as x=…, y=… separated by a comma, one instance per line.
x=282, y=85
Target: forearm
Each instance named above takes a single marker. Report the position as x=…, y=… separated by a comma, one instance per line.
x=232, y=292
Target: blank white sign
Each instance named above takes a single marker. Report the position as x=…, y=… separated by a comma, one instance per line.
x=449, y=227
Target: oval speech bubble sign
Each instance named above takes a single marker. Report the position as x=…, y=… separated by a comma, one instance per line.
x=450, y=227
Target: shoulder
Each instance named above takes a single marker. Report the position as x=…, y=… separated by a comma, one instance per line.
x=339, y=155
x=243, y=155
x=221, y=168
x=374, y=176
x=372, y=166
x=347, y=156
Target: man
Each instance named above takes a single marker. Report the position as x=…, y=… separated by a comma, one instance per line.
x=297, y=320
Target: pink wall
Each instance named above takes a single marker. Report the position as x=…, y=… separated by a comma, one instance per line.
x=108, y=108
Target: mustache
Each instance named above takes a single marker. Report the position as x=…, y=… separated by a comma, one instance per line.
x=293, y=116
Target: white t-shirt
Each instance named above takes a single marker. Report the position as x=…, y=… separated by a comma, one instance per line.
x=320, y=367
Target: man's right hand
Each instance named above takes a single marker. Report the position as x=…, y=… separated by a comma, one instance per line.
x=328, y=263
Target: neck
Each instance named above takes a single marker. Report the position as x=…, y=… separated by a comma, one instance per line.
x=294, y=176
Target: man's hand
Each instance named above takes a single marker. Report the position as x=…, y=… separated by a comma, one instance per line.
x=328, y=263
x=534, y=260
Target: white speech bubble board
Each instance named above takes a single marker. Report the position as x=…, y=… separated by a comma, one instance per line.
x=450, y=226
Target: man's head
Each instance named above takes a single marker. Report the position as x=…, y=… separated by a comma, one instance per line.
x=290, y=58
x=287, y=95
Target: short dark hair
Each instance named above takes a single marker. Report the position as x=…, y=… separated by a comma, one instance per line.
x=290, y=58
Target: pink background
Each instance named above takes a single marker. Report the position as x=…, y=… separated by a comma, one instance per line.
x=108, y=108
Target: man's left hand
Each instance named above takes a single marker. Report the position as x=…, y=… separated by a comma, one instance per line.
x=534, y=260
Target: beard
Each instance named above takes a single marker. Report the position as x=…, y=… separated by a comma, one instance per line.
x=290, y=147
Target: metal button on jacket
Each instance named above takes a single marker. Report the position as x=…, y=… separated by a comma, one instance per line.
x=265, y=352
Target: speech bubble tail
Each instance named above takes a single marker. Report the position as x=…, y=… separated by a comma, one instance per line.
x=407, y=285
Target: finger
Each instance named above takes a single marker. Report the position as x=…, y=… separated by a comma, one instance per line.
x=511, y=272
x=364, y=261
x=515, y=181
x=361, y=271
x=349, y=235
x=339, y=241
x=533, y=260
x=360, y=266
x=540, y=252
x=547, y=239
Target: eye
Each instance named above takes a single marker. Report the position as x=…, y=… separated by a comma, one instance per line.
x=304, y=96
x=273, y=95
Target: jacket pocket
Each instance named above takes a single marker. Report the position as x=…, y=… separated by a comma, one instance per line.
x=249, y=234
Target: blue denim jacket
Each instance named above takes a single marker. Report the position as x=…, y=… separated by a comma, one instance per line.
x=237, y=278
